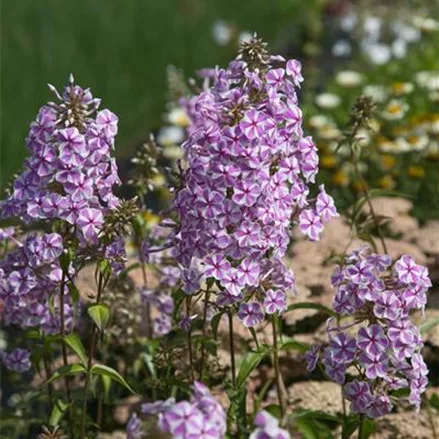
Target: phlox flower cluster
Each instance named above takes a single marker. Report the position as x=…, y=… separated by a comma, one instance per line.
x=66, y=187
x=29, y=275
x=200, y=418
x=17, y=361
x=248, y=174
x=384, y=354
x=70, y=173
x=267, y=427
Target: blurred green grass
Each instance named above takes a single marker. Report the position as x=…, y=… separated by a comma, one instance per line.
x=119, y=48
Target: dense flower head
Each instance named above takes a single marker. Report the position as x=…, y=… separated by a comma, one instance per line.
x=383, y=351
x=70, y=172
x=267, y=427
x=248, y=172
x=200, y=418
x=17, y=361
x=30, y=274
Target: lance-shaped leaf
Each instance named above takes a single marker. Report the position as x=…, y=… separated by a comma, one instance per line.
x=250, y=362
x=312, y=305
x=70, y=370
x=58, y=411
x=291, y=344
x=350, y=425
x=101, y=369
x=76, y=345
x=100, y=314
x=216, y=319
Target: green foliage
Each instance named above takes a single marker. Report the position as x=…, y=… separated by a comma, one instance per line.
x=434, y=401
x=76, y=345
x=249, y=364
x=311, y=305
x=349, y=426
x=69, y=370
x=114, y=375
x=58, y=411
x=100, y=314
x=216, y=319
x=291, y=344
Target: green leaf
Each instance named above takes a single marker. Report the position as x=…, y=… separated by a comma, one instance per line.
x=101, y=369
x=275, y=410
x=312, y=305
x=350, y=424
x=138, y=224
x=367, y=237
x=307, y=428
x=100, y=314
x=241, y=408
x=78, y=348
x=426, y=327
x=250, y=362
x=74, y=293
x=313, y=414
x=434, y=401
x=210, y=345
x=400, y=393
x=148, y=359
x=130, y=268
x=289, y=344
x=373, y=193
x=64, y=261
x=255, y=336
x=58, y=411
x=215, y=323
x=104, y=268
x=33, y=334
x=70, y=370
x=261, y=396
x=106, y=381
x=369, y=428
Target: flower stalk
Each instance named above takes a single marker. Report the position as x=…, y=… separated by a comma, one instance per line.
x=203, y=349
x=64, y=350
x=280, y=386
x=91, y=353
x=48, y=371
x=232, y=348
x=189, y=341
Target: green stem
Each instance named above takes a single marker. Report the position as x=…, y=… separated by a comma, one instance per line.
x=232, y=349
x=100, y=412
x=64, y=350
x=366, y=188
x=89, y=364
x=279, y=381
x=203, y=350
x=149, y=328
x=371, y=208
x=47, y=369
x=360, y=427
x=189, y=341
x=343, y=402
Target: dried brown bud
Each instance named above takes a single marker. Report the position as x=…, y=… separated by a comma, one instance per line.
x=362, y=112
x=254, y=53
x=53, y=433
